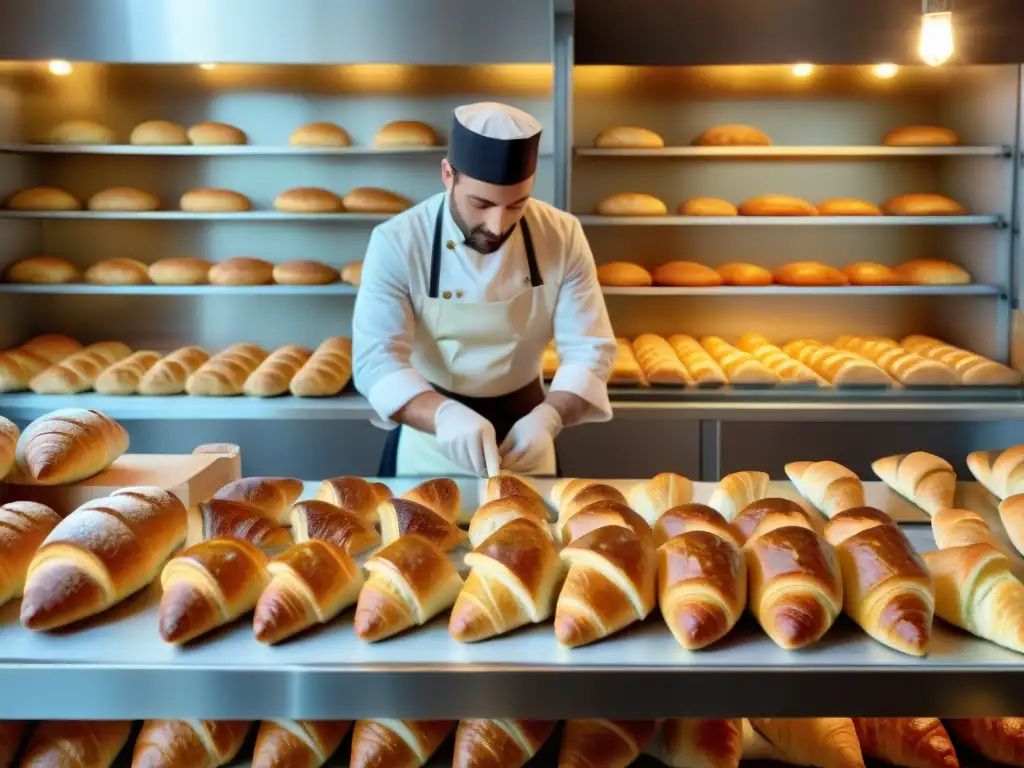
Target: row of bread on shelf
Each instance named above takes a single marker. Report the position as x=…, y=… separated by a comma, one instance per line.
x=186, y=270
x=692, y=274
x=207, y=200
x=607, y=562
x=820, y=742
x=58, y=365
x=163, y=133
x=914, y=204
x=849, y=361
x=636, y=137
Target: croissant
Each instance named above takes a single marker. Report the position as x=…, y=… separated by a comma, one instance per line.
x=209, y=585
x=1002, y=472
x=652, y=498
x=501, y=511
x=912, y=742
x=310, y=583
x=766, y=514
x=577, y=494
x=68, y=445
x=598, y=515
x=499, y=743
x=271, y=496
x=355, y=495
x=399, y=517
x=923, y=479
x=1000, y=739
x=76, y=743
x=9, y=434
x=692, y=742
x=824, y=742
x=10, y=737
x=396, y=743
x=219, y=518
x=694, y=517
x=188, y=743
x=23, y=527
x=961, y=527
x=298, y=743
x=610, y=584
x=411, y=581
x=603, y=743
x=345, y=529
x=1011, y=514
x=515, y=576
x=505, y=485
x=441, y=496
x=829, y=486
x=738, y=490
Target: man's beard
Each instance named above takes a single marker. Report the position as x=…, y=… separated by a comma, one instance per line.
x=479, y=238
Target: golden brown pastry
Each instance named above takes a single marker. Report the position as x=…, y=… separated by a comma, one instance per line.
x=700, y=365
x=180, y=271
x=687, y=274
x=737, y=490
x=740, y=273
x=117, y=272
x=42, y=270
x=598, y=515
x=123, y=199
x=628, y=137
x=577, y=494
x=320, y=135
x=932, y=272
x=400, y=517
x=274, y=375
x=789, y=370
x=499, y=743
x=961, y=528
x=221, y=518
x=9, y=435
x=828, y=485
x=848, y=206
x=694, y=517
x=653, y=498
x=304, y=273
x=496, y=513
x=908, y=368
x=374, y=200
x=327, y=371
x=922, y=205
x=603, y=743
x=298, y=743
x=692, y=742
x=158, y=133
x=214, y=201
x=921, y=136
x=772, y=512
x=1001, y=472
x=740, y=367
x=631, y=204
x=397, y=743
x=192, y=743
x=20, y=365
x=707, y=206
x=212, y=134
x=79, y=131
x=169, y=375
x=68, y=445
x=352, y=273
x=624, y=273
x=869, y=273
x=837, y=366
x=732, y=136
x=809, y=273
x=659, y=362
x=914, y=742
x=974, y=370
x=1000, y=739
x=355, y=495
x=822, y=742
x=308, y=200
x=440, y=495
x=43, y=199
x=272, y=497
x=11, y=732
x=506, y=484
x=405, y=133
x=76, y=743
x=123, y=377
x=23, y=527
x=922, y=478
x=344, y=528
x=776, y=205
x=225, y=373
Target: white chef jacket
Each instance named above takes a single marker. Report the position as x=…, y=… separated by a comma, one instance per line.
x=395, y=281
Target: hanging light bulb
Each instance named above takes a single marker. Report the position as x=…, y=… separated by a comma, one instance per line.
x=803, y=69
x=886, y=71
x=60, y=67
x=936, y=31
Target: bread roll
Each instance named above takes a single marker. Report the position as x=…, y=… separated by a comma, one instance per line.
x=828, y=485
x=374, y=200
x=626, y=369
x=20, y=365
x=352, y=273
x=76, y=743
x=225, y=374
x=320, y=135
x=921, y=136
x=180, y=271
x=242, y=270
x=631, y=204
x=123, y=377
x=869, y=273
x=686, y=274
x=804, y=273
x=80, y=132
x=168, y=376
x=625, y=274
x=214, y=201
x=9, y=434
x=739, y=273
x=308, y=200
x=659, y=361
x=25, y=525
x=776, y=205
x=42, y=270
x=78, y=372
x=908, y=368
x=1001, y=472
x=932, y=272
x=273, y=376
x=837, y=366
x=117, y=272
x=123, y=199
x=788, y=370
x=707, y=206
x=68, y=445
x=848, y=206
x=974, y=370
x=922, y=205
x=43, y=199
x=210, y=133
x=699, y=364
x=327, y=371
x=732, y=136
x=628, y=137
x=304, y=273
x=159, y=133
x=405, y=133
x=740, y=367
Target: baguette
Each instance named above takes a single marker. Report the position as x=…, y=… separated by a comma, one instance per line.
x=659, y=361
x=396, y=743
x=960, y=528
x=736, y=491
x=1011, y=513
x=223, y=518
x=914, y=742
x=225, y=374
x=355, y=495
x=68, y=445
x=974, y=370
x=274, y=375
x=76, y=743
x=20, y=365
x=922, y=478
x=499, y=743
x=9, y=436
x=168, y=376
x=693, y=742
x=908, y=368
x=694, y=517
x=326, y=372
x=837, y=366
x=123, y=378
x=1000, y=739
x=101, y=553
x=823, y=742
x=830, y=487
x=298, y=743
x=653, y=498
x=740, y=367
x=627, y=368
x=78, y=372
x=493, y=515
x=699, y=364
x=188, y=743
x=343, y=528
x=23, y=527
x=271, y=496
x=1001, y=472
x=788, y=370
x=603, y=743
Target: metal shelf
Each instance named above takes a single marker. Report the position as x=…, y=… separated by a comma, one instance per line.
x=80, y=289
x=596, y=220
x=245, y=216
x=789, y=290
x=248, y=150
x=791, y=152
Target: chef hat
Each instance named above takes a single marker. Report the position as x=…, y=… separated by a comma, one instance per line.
x=494, y=143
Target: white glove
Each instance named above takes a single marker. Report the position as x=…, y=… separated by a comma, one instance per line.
x=467, y=438
x=530, y=439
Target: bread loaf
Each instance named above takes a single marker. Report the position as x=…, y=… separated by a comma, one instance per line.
x=274, y=375
x=271, y=497
x=352, y=273
x=828, y=485
x=117, y=272
x=932, y=272
x=225, y=373
x=76, y=743
x=499, y=743
x=739, y=273
x=405, y=133
x=631, y=204
x=627, y=368
x=732, y=136
x=326, y=372
x=191, y=743
x=242, y=270
x=624, y=273
x=837, y=366
x=908, y=368
x=974, y=370
x=922, y=205
x=344, y=528
x=180, y=271
x=740, y=367
x=922, y=478
x=23, y=526
x=320, y=135
x=214, y=201
x=43, y=199
x=659, y=361
x=921, y=136
x=707, y=206
x=869, y=273
x=308, y=200
x=123, y=378
x=78, y=372
x=101, y=553
x=159, y=133
x=1001, y=472
x=123, y=199
x=788, y=370
x=686, y=273
x=298, y=743
x=80, y=131
x=20, y=365
x=42, y=270
x=776, y=205
x=848, y=206
x=699, y=363
x=628, y=137
x=304, y=273
x=212, y=133
x=809, y=273
x=168, y=376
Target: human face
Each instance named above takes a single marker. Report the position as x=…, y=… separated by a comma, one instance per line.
x=486, y=213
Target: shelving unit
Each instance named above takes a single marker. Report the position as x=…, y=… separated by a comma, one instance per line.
x=242, y=217
x=247, y=150
x=976, y=220
x=796, y=152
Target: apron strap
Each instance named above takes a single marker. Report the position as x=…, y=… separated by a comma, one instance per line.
x=531, y=259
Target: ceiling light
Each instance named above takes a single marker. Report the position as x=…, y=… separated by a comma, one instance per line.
x=803, y=70
x=886, y=71
x=936, y=31
x=60, y=67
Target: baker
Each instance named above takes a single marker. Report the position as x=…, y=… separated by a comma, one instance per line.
x=458, y=297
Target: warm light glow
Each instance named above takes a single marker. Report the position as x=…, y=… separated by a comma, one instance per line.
x=803, y=70
x=60, y=67
x=936, y=38
x=208, y=66
x=886, y=71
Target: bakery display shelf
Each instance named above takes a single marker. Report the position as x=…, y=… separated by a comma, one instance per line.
x=334, y=289
x=791, y=290
x=790, y=152
x=247, y=216
x=247, y=150
x=973, y=220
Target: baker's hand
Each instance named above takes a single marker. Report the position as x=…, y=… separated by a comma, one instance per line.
x=467, y=438
x=530, y=439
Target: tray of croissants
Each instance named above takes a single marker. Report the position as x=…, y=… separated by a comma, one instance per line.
x=511, y=569
x=823, y=742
